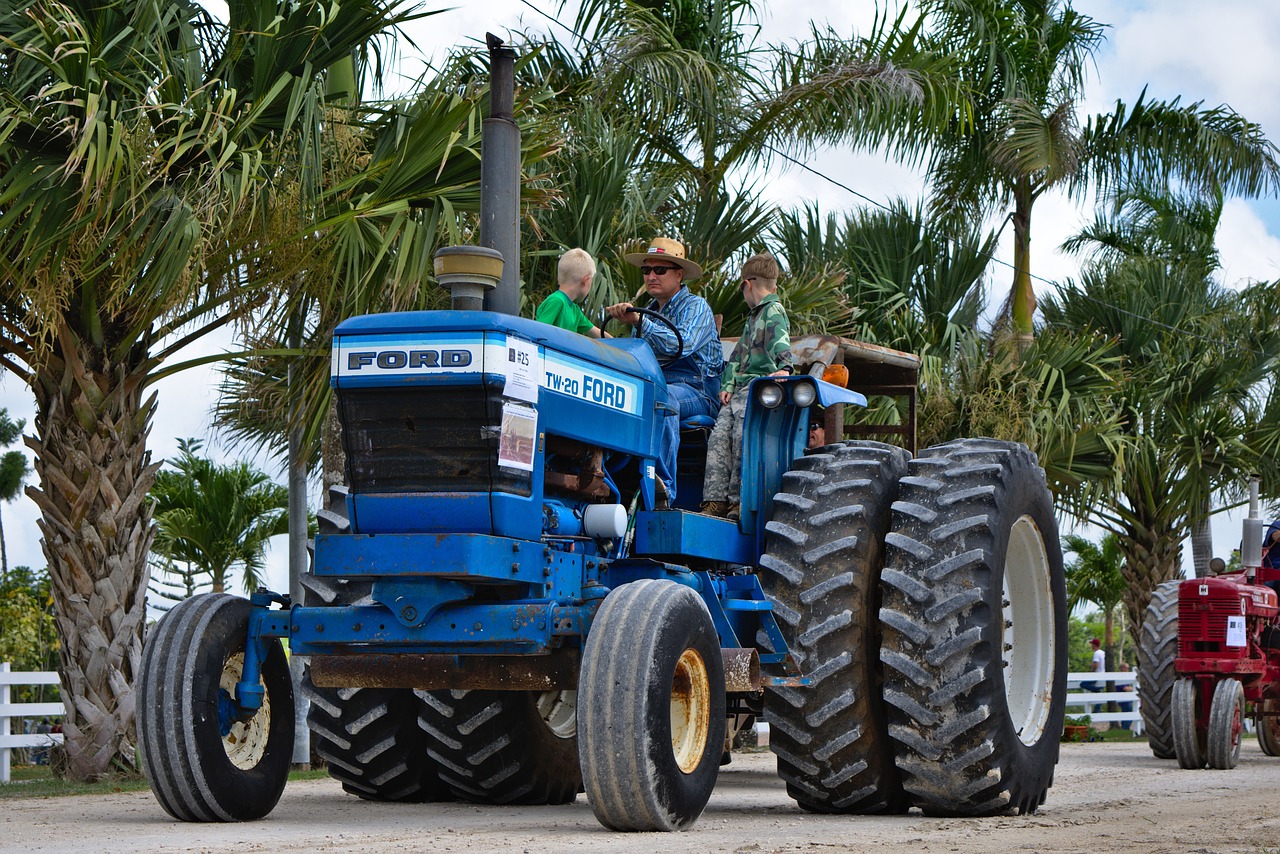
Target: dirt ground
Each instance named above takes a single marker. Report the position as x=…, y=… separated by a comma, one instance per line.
x=1107, y=797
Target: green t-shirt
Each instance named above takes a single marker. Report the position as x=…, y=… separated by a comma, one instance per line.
x=559, y=310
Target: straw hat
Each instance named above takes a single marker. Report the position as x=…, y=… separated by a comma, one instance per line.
x=665, y=249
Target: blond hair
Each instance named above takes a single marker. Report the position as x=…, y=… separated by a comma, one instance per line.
x=762, y=265
x=574, y=265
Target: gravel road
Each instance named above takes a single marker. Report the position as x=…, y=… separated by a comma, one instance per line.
x=1107, y=797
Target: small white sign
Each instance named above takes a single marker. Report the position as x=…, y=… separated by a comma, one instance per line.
x=1235, y=631
x=518, y=435
x=523, y=370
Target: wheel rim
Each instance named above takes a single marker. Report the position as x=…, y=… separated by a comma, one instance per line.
x=690, y=710
x=1029, y=632
x=246, y=742
x=559, y=711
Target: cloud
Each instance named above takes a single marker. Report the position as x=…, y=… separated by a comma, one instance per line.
x=1249, y=252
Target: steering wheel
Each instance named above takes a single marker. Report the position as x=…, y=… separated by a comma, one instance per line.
x=665, y=321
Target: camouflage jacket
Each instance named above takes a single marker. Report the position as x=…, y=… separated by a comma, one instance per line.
x=765, y=346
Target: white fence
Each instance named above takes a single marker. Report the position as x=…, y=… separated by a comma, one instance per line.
x=20, y=711
x=1094, y=703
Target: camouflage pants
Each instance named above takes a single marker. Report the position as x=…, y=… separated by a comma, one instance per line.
x=723, y=479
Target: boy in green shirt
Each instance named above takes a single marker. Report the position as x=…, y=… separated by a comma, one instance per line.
x=764, y=350
x=574, y=273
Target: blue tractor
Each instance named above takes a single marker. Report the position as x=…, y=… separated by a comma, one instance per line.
x=498, y=610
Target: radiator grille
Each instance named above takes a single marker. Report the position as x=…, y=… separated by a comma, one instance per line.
x=1204, y=629
x=426, y=439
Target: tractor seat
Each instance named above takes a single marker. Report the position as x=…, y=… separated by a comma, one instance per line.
x=694, y=422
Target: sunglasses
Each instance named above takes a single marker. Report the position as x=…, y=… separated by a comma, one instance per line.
x=661, y=271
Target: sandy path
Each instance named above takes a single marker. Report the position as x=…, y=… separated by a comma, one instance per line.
x=1107, y=797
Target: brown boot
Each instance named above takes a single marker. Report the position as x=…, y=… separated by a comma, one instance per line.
x=719, y=509
x=734, y=513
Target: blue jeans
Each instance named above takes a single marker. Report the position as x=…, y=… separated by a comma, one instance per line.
x=688, y=401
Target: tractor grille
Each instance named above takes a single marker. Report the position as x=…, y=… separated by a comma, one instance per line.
x=426, y=439
x=1202, y=623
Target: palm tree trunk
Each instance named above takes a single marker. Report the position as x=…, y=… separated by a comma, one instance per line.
x=1202, y=541
x=94, y=471
x=4, y=555
x=1152, y=556
x=1023, y=309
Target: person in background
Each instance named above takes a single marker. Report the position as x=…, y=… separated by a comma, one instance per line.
x=693, y=375
x=1271, y=553
x=1125, y=705
x=563, y=308
x=817, y=432
x=764, y=350
x=1098, y=665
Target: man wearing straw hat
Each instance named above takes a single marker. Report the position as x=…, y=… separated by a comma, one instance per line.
x=693, y=379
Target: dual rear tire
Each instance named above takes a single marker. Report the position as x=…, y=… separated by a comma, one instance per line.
x=938, y=660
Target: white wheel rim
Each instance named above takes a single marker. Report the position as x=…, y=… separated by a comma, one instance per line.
x=1029, y=638
x=690, y=710
x=246, y=743
x=559, y=711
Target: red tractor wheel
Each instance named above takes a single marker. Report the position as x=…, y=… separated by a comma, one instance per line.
x=1226, y=723
x=1268, y=725
x=1188, y=710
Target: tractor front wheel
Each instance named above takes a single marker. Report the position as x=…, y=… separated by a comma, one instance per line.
x=651, y=707
x=1226, y=722
x=204, y=759
x=1188, y=739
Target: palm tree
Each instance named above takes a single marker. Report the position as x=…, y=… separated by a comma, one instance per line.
x=217, y=518
x=1195, y=358
x=1095, y=576
x=13, y=475
x=915, y=284
x=1025, y=63
x=135, y=141
x=401, y=181
x=707, y=102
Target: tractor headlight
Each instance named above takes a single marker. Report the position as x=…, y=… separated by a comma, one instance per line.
x=804, y=394
x=770, y=395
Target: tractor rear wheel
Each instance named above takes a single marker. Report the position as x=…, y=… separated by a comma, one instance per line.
x=204, y=761
x=370, y=740
x=974, y=630
x=651, y=707
x=369, y=737
x=1186, y=710
x=1226, y=723
x=504, y=747
x=1267, y=723
x=1156, y=652
x=824, y=550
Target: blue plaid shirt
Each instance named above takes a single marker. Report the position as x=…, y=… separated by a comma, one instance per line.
x=702, y=357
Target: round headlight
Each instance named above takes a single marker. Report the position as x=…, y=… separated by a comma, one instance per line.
x=804, y=394
x=770, y=395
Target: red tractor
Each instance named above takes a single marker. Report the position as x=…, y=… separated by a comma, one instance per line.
x=1228, y=654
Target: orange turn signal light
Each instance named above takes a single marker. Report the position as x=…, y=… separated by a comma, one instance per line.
x=836, y=375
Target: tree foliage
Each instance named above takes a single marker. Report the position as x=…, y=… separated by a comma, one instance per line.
x=218, y=519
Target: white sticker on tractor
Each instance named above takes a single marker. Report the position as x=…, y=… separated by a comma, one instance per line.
x=1235, y=631
x=523, y=368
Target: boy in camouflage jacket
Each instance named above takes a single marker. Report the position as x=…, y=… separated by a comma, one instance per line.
x=764, y=350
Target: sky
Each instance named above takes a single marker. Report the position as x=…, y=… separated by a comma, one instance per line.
x=1219, y=53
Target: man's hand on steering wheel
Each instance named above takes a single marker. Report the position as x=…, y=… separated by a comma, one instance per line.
x=624, y=312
